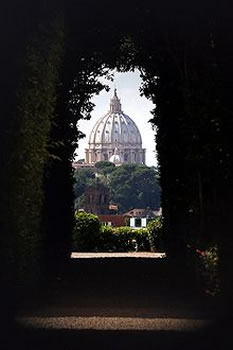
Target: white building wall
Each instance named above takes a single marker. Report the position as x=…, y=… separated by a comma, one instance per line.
x=133, y=220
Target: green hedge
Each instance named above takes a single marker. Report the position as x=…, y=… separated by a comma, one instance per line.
x=90, y=235
x=36, y=99
x=86, y=232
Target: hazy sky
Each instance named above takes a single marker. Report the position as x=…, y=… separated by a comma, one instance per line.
x=136, y=107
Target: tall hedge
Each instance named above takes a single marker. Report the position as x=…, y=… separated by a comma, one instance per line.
x=28, y=159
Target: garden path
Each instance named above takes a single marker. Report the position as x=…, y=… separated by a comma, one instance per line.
x=120, y=303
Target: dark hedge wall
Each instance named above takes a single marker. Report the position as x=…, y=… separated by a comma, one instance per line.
x=48, y=87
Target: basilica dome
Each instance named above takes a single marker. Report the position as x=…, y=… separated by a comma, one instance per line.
x=115, y=137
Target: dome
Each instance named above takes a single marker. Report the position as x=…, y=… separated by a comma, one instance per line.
x=115, y=127
x=115, y=137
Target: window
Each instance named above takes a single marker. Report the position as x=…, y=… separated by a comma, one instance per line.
x=138, y=222
x=107, y=223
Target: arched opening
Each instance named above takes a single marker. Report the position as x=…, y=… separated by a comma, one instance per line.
x=124, y=111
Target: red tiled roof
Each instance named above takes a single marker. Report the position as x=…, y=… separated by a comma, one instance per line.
x=116, y=220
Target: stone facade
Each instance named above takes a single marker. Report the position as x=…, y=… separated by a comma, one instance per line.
x=96, y=199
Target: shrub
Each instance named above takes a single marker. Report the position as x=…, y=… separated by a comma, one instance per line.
x=209, y=269
x=86, y=233
x=154, y=228
x=125, y=239
x=89, y=235
x=203, y=259
x=143, y=240
x=107, y=239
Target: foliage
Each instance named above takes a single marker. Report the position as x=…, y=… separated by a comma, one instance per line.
x=143, y=240
x=116, y=239
x=155, y=229
x=135, y=186
x=107, y=240
x=36, y=101
x=205, y=262
x=89, y=235
x=130, y=185
x=125, y=239
x=86, y=232
x=208, y=260
x=104, y=167
x=185, y=73
x=83, y=178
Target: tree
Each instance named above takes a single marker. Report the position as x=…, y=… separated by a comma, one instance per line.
x=130, y=185
x=83, y=178
x=133, y=185
x=105, y=167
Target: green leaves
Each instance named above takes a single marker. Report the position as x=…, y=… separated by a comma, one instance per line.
x=86, y=232
x=89, y=235
x=104, y=167
x=135, y=186
x=130, y=185
x=37, y=99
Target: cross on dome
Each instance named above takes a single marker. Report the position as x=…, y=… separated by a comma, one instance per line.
x=115, y=92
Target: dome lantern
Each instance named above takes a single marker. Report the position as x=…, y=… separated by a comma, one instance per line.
x=115, y=105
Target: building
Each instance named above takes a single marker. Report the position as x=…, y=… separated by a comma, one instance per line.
x=96, y=199
x=138, y=222
x=113, y=220
x=115, y=137
x=139, y=218
x=148, y=213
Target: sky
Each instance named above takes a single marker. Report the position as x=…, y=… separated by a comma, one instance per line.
x=135, y=106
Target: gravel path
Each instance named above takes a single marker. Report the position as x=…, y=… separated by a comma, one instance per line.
x=109, y=301
x=116, y=323
x=147, y=255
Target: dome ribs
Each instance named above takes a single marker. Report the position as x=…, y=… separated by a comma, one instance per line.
x=115, y=132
